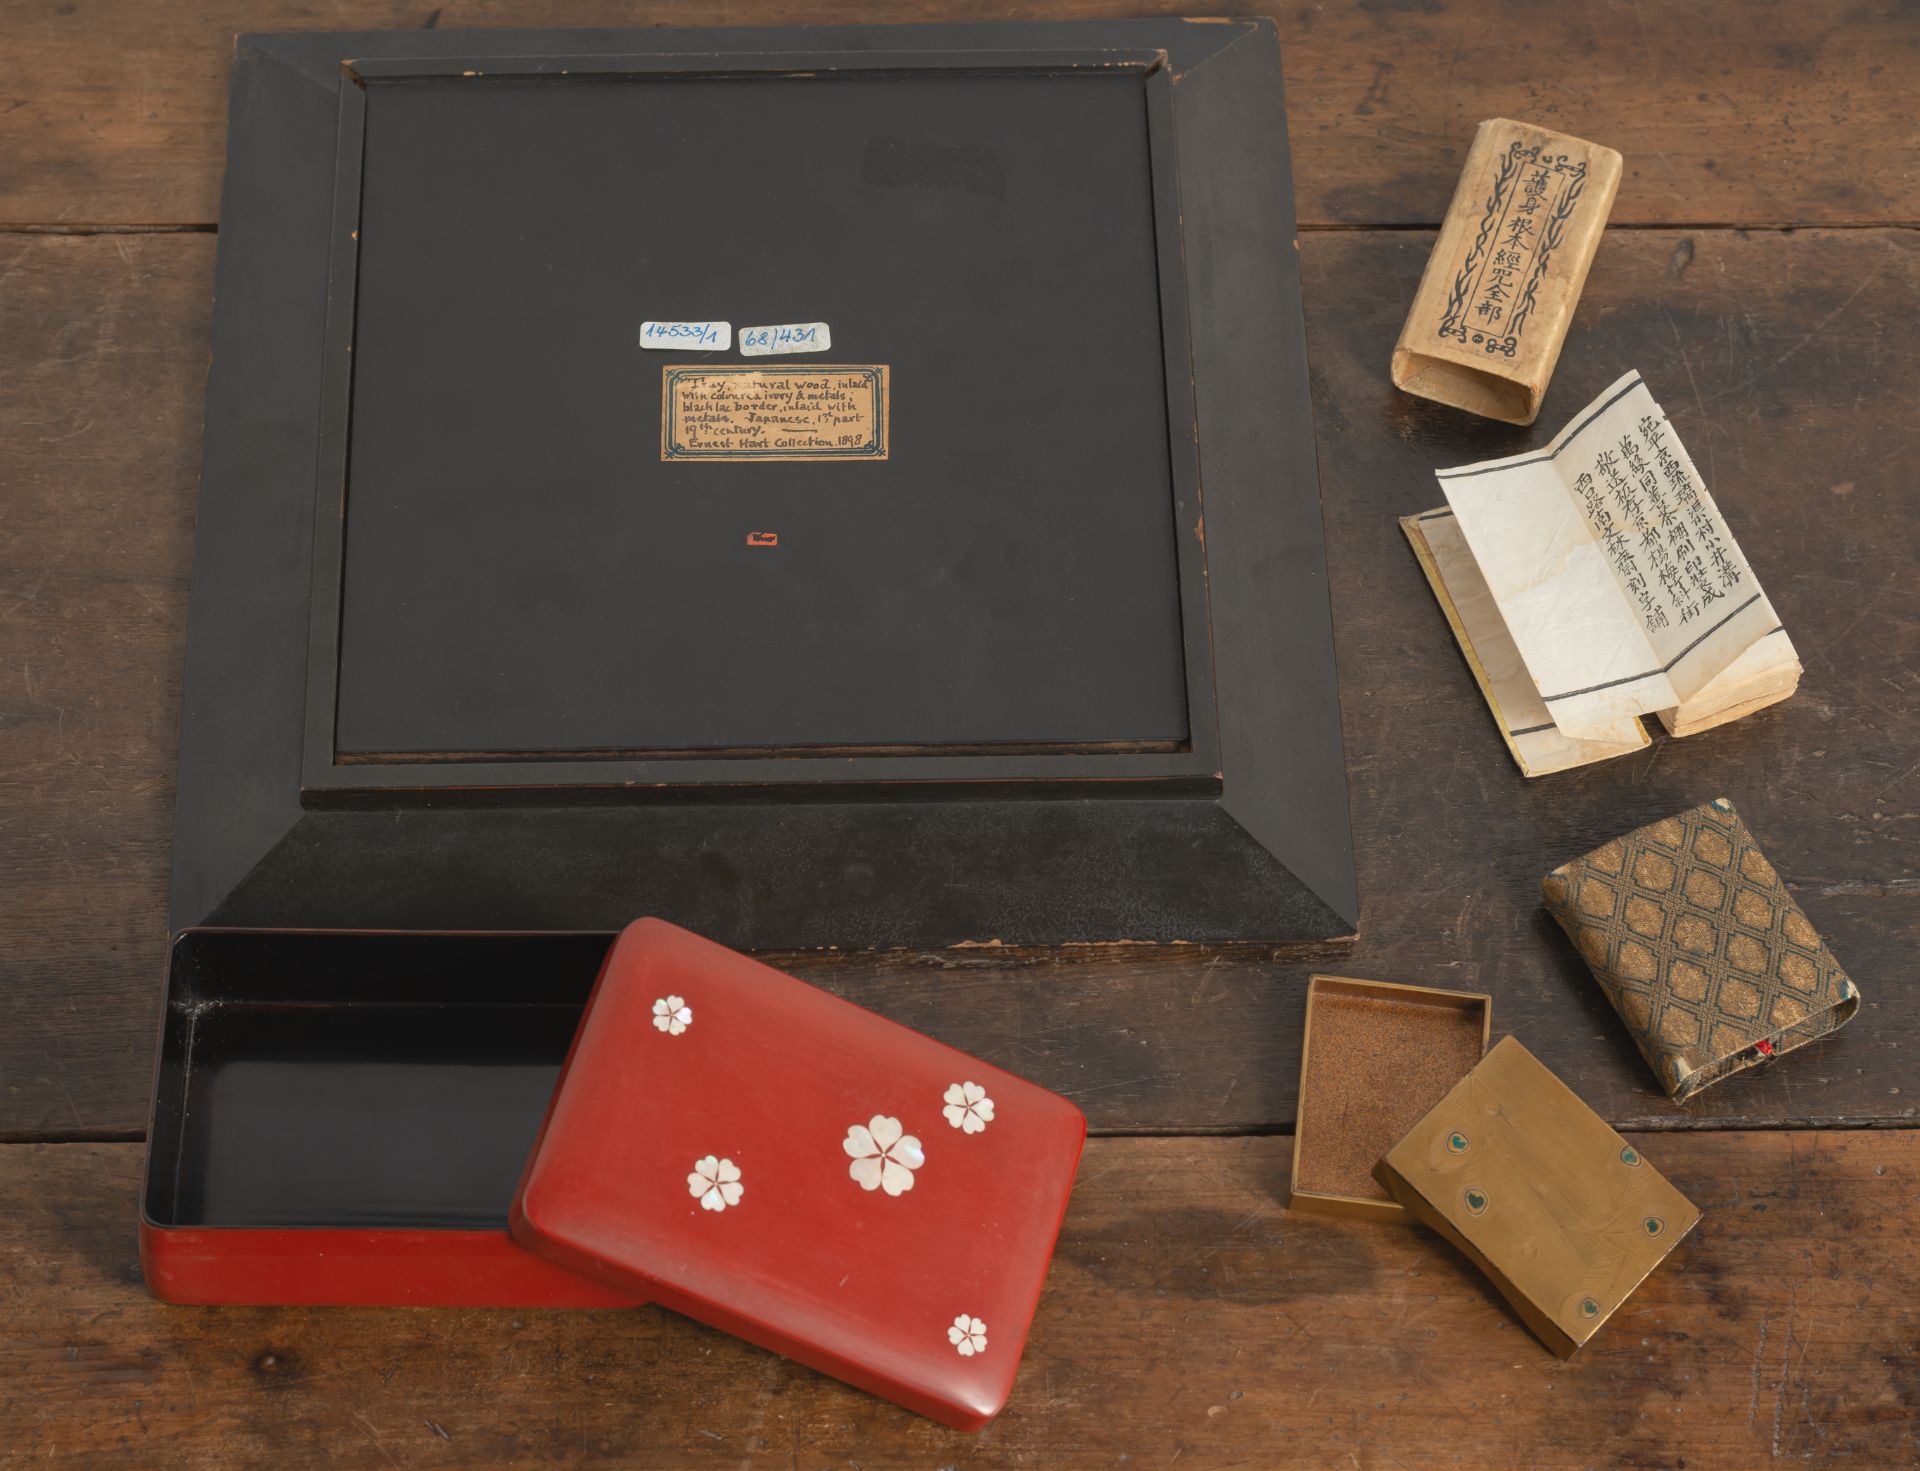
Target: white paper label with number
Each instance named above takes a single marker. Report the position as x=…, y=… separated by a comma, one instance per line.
x=684, y=336
x=761, y=342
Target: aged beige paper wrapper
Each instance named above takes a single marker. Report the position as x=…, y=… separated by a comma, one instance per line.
x=1538, y=745
x=1488, y=322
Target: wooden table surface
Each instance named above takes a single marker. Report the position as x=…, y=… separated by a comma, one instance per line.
x=1763, y=273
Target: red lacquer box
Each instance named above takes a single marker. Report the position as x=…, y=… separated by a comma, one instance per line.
x=357, y=1118
x=754, y=1152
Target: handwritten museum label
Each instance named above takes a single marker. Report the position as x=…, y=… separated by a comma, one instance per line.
x=742, y=413
x=761, y=342
x=667, y=336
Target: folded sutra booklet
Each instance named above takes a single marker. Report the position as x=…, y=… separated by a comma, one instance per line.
x=1595, y=581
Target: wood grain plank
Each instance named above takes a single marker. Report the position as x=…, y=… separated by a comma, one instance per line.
x=105, y=353
x=1788, y=359
x=1188, y=1320
x=1759, y=112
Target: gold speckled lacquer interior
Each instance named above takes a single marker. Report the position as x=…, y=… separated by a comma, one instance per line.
x=1700, y=947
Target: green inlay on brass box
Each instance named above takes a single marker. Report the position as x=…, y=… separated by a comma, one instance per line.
x=1374, y=1058
x=1563, y=1214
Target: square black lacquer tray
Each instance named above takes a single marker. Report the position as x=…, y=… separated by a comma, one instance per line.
x=1047, y=660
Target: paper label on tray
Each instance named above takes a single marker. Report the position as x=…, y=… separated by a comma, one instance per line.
x=666, y=336
x=740, y=413
x=761, y=342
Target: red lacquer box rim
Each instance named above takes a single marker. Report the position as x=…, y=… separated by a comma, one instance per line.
x=315, y=1266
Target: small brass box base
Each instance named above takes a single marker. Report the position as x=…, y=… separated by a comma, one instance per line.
x=1374, y=1058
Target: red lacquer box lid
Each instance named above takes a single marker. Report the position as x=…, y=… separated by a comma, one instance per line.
x=758, y=1154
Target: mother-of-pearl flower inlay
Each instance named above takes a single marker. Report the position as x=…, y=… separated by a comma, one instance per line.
x=968, y=1335
x=672, y=1015
x=884, y=1156
x=715, y=1183
x=968, y=1108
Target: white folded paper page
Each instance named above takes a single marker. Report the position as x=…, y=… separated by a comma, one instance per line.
x=1618, y=580
x=1537, y=745
x=1766, y=674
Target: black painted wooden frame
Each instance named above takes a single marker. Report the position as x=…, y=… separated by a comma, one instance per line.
x=1240, y=835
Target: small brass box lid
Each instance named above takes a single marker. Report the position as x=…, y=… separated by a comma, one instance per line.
x=1565, y=1216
